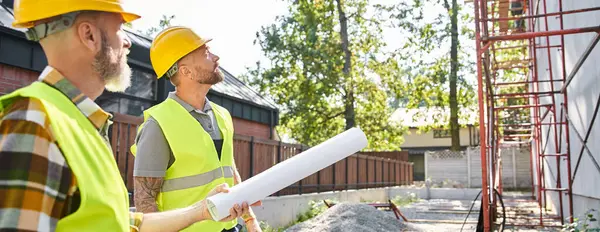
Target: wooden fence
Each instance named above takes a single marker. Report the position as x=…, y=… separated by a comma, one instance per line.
x=254, y=155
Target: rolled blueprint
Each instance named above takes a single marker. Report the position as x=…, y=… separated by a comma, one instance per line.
x=288, y=172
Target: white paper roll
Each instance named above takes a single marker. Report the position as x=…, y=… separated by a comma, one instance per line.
x=288, y=172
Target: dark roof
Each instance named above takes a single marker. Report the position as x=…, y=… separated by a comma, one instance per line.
x=140, y=55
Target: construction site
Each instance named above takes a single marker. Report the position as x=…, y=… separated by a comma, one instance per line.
x=537, y=69
x=530, y=161
x=537, y=65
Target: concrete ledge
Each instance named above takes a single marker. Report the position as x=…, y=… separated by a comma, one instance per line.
x=453, y=194
x=280, y=211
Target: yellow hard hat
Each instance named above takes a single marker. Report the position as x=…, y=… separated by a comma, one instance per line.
x=170, y=45
x=27, y=12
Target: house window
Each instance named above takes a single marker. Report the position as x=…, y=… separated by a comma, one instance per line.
x=441, y=133
x=143, y=85
x=140, y=96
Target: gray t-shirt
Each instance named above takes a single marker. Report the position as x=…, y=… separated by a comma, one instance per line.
x=154, y=155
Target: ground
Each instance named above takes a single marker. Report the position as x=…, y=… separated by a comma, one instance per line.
x=449, y=215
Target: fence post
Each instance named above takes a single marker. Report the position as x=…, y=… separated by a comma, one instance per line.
x=319, y=181
x=278, y=160
x=347, y=182
x=374, y=173
x=390, y=172
x=251, y=157
x=411, y=171
x=333, y=176
x=382, y=173
x=395, y=175
x=357, y=171
x=468, y=168
x=368, y=181
x=514, y=167
x=300, y=182
x=403, y=175
x=407, y=173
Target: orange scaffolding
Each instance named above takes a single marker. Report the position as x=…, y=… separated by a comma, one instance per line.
x=511, y=35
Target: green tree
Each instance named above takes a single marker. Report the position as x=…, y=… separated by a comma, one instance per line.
x=454, y=127
x=436, y=64
x=324, y=70
x=162, y=24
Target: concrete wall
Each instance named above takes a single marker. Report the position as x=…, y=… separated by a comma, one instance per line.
x=415, y=138
x=463, y=169
x=583, y=93
x=279, y=211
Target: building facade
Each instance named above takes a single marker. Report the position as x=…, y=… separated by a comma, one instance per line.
x=418, y=141
x=21, y=61
x=583, y=103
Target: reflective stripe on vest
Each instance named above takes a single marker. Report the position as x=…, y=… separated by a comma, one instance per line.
x=197, y=168
x=104, y=199
x=197, y=180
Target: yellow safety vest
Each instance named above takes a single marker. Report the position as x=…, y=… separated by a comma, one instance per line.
x=104, y=200
x=197, y=168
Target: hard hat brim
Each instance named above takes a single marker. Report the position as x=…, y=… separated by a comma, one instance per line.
x=127, y=17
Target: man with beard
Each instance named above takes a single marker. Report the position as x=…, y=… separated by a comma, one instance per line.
x=57, y=169
x=185, y=145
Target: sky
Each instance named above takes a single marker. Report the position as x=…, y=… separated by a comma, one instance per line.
x=232, y=24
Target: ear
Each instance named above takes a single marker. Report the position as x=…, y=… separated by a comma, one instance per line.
x=89, y=36
x=185, y=71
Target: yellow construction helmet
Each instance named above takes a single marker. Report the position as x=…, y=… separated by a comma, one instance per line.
x=170, y=45
x=27, y=12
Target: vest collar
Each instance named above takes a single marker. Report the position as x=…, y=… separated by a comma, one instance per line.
x=190, y=108
x=100, y=118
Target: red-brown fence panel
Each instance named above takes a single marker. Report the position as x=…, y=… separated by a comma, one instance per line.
x=255, y=155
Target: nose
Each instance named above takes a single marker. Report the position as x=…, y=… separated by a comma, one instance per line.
x=126, y=41
x=215, y=58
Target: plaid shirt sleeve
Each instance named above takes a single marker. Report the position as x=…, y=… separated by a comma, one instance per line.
x=35, y=180
x=37, y=187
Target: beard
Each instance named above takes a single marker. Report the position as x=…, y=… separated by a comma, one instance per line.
x=115, y=72
x=209, y=77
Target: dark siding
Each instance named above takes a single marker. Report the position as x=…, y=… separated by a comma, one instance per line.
x=17, y=52
x=233, y=94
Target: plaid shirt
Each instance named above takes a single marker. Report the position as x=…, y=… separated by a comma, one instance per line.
x=37, y=187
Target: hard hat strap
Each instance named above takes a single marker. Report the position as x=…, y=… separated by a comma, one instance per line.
x=43, y=30
x=171, y=72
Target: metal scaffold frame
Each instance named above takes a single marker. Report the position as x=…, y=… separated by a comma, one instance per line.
x=513, y=109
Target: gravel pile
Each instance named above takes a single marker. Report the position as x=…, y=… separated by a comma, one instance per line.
x=350, y=217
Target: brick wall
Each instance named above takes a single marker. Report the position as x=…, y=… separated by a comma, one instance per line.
x=250, y=128
x=12, y=78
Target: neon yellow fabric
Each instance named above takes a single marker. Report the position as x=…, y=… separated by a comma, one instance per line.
x=195, y=159
x=104, y=200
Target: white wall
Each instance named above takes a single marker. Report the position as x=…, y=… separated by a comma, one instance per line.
x=464, y=168
x=582, y=97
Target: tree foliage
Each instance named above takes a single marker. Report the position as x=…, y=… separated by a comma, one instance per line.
x=162, y=24
x=305, y=74
x=427, y=56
